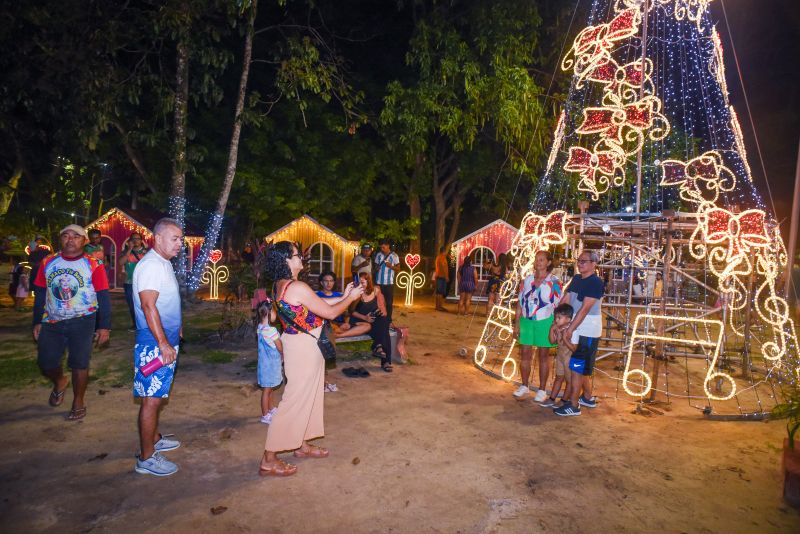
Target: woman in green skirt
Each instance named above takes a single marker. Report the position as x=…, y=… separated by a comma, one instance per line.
x=539, y=295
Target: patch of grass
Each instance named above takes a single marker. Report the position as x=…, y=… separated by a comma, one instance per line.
x=21, y=352
x=18, y=372
x=356, y=346
x=218, y=356
x=115, y=371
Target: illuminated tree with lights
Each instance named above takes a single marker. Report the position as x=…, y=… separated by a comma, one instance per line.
x=650, y=150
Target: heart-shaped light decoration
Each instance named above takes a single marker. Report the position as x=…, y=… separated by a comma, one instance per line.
x=412, y=260
x=215, y=255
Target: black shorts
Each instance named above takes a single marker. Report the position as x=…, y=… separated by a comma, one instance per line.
x=75, y=335
x=582, y=361
x=441, y=286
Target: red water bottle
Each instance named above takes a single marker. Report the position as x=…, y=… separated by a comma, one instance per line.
x=152, y=366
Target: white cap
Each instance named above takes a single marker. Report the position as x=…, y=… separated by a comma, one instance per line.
x=78, y=229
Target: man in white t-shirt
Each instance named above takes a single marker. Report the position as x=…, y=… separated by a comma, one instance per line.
x=157, y=308
x=362, y=263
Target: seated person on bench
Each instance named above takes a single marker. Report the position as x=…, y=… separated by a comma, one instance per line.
x=327, y=281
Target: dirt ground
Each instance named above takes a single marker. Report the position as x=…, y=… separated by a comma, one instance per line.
x=437, y=446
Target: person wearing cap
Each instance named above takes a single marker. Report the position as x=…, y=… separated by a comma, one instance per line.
x=71, y=309
x=362, y=263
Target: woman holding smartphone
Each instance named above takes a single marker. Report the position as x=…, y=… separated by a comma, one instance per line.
x=369, y=316
x=299, y=417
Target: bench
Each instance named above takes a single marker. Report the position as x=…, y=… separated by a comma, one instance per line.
x=354, y=338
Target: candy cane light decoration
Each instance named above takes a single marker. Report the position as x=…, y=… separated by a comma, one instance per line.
x=410, y=280
x=214, y=274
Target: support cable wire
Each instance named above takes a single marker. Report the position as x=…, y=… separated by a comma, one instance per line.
x=747, y=106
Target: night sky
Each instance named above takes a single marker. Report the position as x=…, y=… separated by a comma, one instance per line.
x=766, y=36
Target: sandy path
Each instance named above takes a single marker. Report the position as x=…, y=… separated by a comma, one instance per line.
x=434, y=447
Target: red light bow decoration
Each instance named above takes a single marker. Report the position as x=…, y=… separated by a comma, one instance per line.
x=541, y=232
x=705, y=173
x=631, y=75
x=618, y=123
x=742, y=232
x=592, y=47
x=597, y=170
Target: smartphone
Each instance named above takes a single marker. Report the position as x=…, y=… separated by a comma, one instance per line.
x=356, y=280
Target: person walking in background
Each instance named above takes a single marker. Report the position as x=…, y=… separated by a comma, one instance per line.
x=387, y=263
x=20, y=286
x=71, y=309
x=584, y=294
x=299, y=417
x=540, y=293
x=270, y=360
x=467, y=281
x=157, y=307
x=442, y=276
x=133, y=251
x=38, y=252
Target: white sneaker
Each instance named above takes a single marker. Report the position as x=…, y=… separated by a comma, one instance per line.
x=267, y=419
x=521, y=392
x=155, y=465
x=165, y=444
x=541, y=395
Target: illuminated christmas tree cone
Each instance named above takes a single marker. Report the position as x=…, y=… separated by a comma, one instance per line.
x=648, y=168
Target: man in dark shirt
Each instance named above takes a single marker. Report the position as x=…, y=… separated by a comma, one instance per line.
x=584, y=294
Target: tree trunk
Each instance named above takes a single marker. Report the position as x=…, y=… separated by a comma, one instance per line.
x=136, y=160
x=446, y=198
x=9, y=189
x=233, y=153
x=177, y=198
x=457, y=200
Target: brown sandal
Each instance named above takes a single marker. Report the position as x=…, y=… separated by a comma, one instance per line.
x=76, y=414
x=280, y=469
x=56, y=397
x=313, y=452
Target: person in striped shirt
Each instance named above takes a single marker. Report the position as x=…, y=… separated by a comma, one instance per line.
x=387, y=263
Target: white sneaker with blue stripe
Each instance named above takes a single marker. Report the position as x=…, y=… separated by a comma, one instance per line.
x=156, y=465
x=166, y=444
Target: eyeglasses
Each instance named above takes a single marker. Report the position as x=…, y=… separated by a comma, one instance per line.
x=584, y=261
